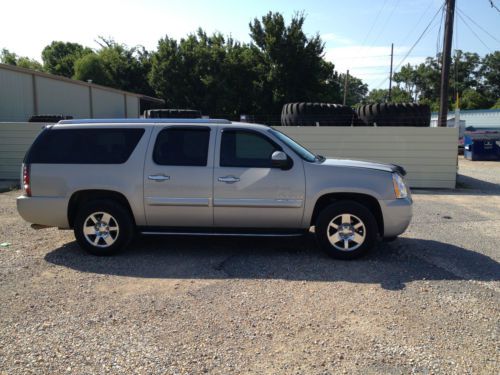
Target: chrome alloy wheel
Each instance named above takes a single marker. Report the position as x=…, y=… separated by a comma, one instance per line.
x=346, y=232
x=100, y=229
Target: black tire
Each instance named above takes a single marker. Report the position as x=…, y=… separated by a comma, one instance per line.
x=358, y=213
x=172, y=113
x=49, y=118
x=395, y=114
x=120, y=217
x=314, y=114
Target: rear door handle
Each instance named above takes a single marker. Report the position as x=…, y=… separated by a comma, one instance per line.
x=158, y=177
x=228, y=179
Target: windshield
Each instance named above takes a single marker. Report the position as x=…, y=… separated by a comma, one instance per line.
x=298, y=149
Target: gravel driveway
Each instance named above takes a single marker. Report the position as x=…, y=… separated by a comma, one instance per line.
x=426, y=303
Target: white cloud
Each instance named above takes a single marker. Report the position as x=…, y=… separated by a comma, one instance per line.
x=335, y=38
x=371, y=64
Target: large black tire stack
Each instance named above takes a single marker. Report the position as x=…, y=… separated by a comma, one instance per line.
x=317, y=114
x=391, y=114
x=49, y=118
x=172, y=113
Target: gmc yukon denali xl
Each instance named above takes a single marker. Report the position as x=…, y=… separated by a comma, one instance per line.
x=109, y=179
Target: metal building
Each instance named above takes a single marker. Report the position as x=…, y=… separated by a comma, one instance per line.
x=26, y=92
x=476, y=118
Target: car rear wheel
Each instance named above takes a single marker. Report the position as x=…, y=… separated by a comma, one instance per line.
x=346, y=230
x=103, y=227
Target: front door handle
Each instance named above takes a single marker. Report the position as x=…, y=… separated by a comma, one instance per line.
x=228, y=179
x=158, y=177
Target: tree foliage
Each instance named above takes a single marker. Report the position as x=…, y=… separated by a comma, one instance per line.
x=398, y=95
x=7, y=57
x=91, y=68
x=60, y=57
x=475, y=80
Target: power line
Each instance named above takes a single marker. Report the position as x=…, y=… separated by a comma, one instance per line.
x=362, y=57
x=473, y=32
x=494, y=6
x=478, y=25
x=385, y=23
x=374, y=23
x=438, y=40
x=414, y=44
x=418, y=23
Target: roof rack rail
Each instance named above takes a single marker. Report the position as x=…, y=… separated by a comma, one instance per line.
x=146, y=121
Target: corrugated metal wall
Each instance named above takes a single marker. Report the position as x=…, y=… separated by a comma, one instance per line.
x=428, y=154
x=57, y=97
x=23, y=94
x=16, y=96
x=15, y=139
x=107, y=104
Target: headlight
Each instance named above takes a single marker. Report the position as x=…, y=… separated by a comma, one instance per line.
x=399, y=186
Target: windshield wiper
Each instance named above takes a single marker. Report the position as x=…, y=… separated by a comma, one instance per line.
x=320, y=158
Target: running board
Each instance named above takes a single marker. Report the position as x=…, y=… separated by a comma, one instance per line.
x=223, y=234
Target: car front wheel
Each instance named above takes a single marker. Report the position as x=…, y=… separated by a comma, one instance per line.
x=346, y=230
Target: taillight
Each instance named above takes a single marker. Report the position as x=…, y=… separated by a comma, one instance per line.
x=26, y=180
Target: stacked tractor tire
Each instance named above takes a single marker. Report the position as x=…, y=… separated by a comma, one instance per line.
x=317, y=114
x=381, y=114
x=49, y=118
x=172, y=113
x=390, y=114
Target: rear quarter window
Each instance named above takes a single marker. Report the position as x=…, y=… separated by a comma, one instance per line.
x=84, y=146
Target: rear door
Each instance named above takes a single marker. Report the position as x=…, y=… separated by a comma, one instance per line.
x=248, y=191
x=178, y=177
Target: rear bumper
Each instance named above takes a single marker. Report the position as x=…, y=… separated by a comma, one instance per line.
x=47, y=211
x=397, y=214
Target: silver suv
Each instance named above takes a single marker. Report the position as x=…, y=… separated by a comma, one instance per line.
x=108, y=179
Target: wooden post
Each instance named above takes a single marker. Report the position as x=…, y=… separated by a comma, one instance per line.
x=346, y=85
x=446, y=58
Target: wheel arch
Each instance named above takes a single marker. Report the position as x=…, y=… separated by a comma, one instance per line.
x=81, y=196
x=366, y=200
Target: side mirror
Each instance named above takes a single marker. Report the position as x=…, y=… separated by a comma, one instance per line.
x=281, y=160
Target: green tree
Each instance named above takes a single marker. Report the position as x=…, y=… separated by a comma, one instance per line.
x=490, y=73
x=91, y=67
x=7, y=57
x=210, y=73
x=127, y=68
x=292, y=61
x=472, y=99
x=59, y=57
x=398, y=95
x=356, y=90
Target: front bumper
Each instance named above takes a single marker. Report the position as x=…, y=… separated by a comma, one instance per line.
x=397, y=214
x=47, y=211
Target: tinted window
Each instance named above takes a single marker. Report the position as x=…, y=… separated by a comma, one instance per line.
x=246, y=149
x=187, y=147
x=84, y=146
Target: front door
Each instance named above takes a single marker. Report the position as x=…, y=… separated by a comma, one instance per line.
x=178, y=177
x=248, y=191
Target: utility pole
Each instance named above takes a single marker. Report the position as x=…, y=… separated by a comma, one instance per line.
x=390, y=74
x=345, y=85
x=445, y=66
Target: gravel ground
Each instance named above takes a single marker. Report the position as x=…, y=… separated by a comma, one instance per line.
x=425, y=303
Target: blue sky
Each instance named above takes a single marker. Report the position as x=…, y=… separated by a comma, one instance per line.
x=355, y=38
